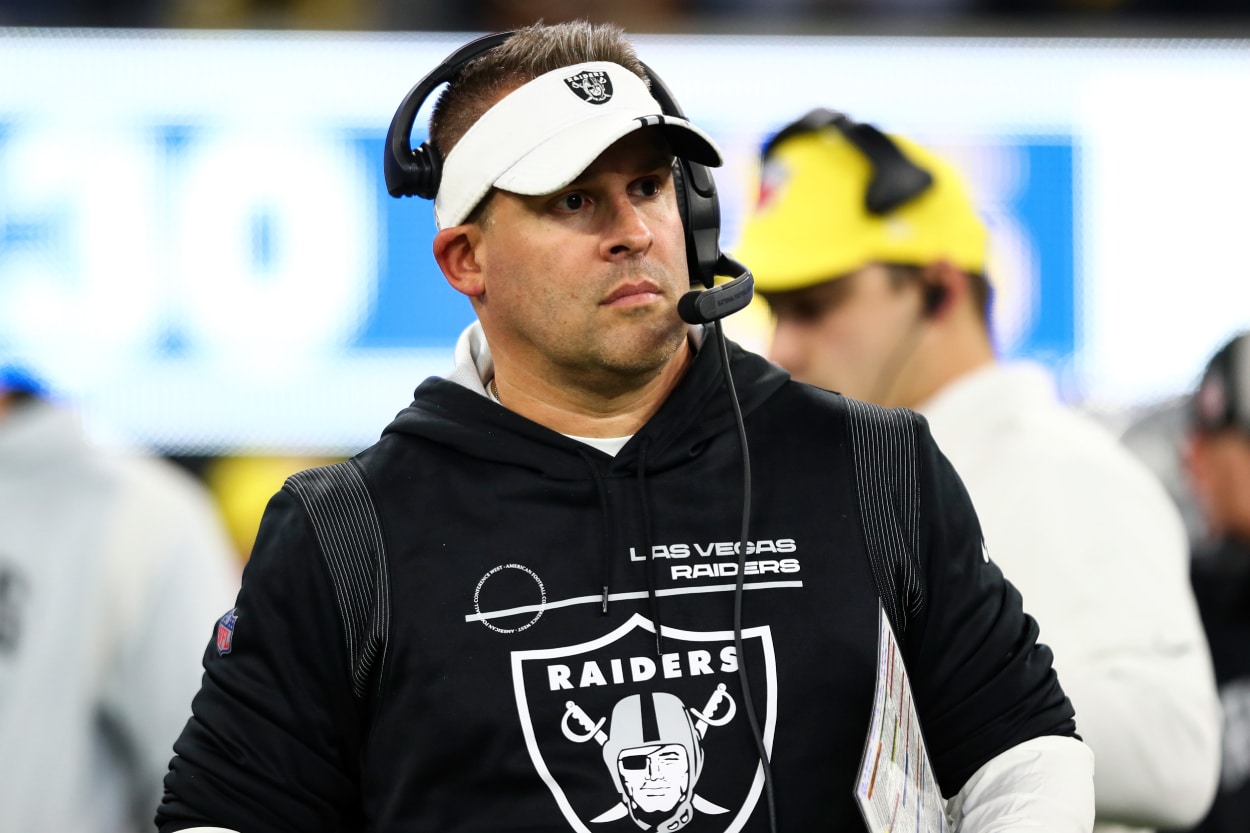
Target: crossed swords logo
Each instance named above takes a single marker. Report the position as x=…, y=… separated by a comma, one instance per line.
x=592, y=86
x=593, y=730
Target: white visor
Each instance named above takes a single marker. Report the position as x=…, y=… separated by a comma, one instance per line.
x=544, y=134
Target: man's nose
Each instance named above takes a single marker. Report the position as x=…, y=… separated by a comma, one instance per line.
x=628, y=231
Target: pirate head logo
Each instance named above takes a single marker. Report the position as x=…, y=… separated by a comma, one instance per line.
x=593, y=86
x=653, y=750
x=657, y=729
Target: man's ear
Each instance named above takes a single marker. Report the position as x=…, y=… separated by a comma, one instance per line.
x=945, y=287
x=457, y=251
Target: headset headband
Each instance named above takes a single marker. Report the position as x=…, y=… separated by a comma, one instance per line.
x=415, y=172
x=896, y=179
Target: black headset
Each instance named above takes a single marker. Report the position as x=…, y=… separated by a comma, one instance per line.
x=896, y=179
x=416, y=172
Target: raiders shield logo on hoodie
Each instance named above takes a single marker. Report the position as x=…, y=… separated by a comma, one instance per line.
x=627, y=739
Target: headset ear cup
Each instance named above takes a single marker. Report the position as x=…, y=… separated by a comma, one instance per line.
x=427, y=171
x=683, y=211
x=417, y=172
x=696, y=199
x=410, y=172
x=700, y=215
x=414, y=174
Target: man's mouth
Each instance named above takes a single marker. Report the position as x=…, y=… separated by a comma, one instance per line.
x=633, y=294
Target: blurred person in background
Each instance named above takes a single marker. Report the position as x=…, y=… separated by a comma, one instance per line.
x=113, y=571
x=872, y=259
x=1217, y=461
x=1157, y=432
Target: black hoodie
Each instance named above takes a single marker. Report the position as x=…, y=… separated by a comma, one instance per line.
x=493, y=662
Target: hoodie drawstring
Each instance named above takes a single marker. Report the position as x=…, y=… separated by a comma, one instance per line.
x=605, y=550
x=652, y=598
x=605, y=553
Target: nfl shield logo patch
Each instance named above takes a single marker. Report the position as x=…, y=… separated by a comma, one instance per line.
x=629, y=740
x=225, y=632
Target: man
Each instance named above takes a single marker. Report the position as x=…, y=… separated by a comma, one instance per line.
x=529, y=606
x=112, y=567
x=1217, y=461
x=873, y=260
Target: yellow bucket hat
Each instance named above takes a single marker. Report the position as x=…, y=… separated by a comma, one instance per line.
x=812, y=221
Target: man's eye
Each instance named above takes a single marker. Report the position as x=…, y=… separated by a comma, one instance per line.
x=807, y=311
x=802, y=312
x=649, y=187
x=572, y=202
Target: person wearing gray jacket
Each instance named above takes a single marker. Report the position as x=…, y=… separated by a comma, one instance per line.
x=113, y=571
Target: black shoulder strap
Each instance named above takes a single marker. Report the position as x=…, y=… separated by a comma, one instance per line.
x=887, y=479
x=349, y=532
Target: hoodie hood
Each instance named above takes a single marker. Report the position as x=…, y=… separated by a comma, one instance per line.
x=457, y=414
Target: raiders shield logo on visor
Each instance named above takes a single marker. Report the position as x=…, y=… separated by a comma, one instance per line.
x=593, y=86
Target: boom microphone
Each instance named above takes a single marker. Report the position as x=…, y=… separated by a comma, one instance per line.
x=703, y=306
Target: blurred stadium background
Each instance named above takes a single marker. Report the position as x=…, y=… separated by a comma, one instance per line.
x=196, y=245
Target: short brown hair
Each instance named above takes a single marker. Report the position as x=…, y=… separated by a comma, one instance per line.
x=529, y=53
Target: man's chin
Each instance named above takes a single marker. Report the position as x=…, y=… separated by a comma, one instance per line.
x=643, y=351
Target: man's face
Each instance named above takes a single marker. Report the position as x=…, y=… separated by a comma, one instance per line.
x=1219, y=468
x=583, y=284
x=854, y=334
x=655, y=777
